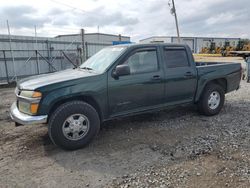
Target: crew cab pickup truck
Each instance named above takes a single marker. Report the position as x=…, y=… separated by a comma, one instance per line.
x=118, y=81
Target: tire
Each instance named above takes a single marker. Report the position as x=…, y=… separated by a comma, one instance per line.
x=205, y=106
x=73, y=125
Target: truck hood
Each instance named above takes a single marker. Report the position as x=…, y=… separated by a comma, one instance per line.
x=34, y=82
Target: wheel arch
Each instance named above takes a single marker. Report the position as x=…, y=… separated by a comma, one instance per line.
x=219, y=81
x=88, y=99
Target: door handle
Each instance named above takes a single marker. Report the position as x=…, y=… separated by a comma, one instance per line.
x=188, y=74
x=156, y=77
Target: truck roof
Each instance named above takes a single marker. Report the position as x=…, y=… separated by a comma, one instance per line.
x=153, y=44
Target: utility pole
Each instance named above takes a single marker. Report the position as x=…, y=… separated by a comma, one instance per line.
x=83, y=46
x=173, y=12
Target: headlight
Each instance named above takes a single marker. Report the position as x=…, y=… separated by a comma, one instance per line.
x=24, y=106
x=30, y=94
x=28, y=101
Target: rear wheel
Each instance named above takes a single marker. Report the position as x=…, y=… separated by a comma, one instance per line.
x=73, y=125
x=212, y=100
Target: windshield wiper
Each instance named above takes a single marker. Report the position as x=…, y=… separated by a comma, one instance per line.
x=86, y=68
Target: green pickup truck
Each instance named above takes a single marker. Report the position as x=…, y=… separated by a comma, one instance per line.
x=119, y=81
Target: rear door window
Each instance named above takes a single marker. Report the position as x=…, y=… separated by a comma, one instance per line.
x=175, y=58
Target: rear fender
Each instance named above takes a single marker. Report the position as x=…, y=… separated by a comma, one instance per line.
x=203, y=83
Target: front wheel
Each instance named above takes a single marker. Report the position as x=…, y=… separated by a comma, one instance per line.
x=73, y=125
x=212, y=100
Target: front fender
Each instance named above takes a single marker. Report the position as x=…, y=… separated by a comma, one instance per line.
x=61, y=94
x=97, y=90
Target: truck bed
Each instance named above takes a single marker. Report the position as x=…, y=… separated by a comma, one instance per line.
x=230, y=71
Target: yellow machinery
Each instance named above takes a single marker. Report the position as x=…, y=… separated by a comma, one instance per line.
x=246, y=47
x=204, y=50
x=218, y=50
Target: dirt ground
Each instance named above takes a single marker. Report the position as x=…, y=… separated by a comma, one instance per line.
x=173, y=148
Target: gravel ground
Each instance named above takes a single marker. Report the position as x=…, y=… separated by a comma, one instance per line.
x=173, y=148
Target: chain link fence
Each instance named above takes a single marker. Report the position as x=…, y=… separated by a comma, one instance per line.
x=17, y=64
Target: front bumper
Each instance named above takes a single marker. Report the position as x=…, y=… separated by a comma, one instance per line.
x=25, y=119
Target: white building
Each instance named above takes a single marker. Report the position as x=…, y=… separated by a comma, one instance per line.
x=95, y=38
x=95, y=41
x=195, y=43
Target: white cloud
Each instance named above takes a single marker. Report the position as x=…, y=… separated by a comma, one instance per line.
x=139, y=19
x=222, y=18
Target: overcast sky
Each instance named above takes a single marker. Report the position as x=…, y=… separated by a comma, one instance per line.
x=138, y=19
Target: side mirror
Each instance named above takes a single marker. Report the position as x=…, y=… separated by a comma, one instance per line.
x=121, y=70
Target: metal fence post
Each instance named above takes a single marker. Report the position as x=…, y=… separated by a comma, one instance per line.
x=87, y=52
x=37, y=63
x=61, y=59
x=83, y=46
x=11, y=51
x=6, y=68
x=48, y=55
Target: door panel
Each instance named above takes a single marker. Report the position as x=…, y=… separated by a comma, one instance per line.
x=134, y=92
x=180, y=88
x=181, y=78
x=143, y=88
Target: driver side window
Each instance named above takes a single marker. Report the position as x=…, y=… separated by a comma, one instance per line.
x=143, y=62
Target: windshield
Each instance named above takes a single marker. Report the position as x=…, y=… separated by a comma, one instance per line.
x=103, y=59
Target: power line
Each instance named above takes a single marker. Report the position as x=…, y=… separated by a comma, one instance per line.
x=73, y=8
